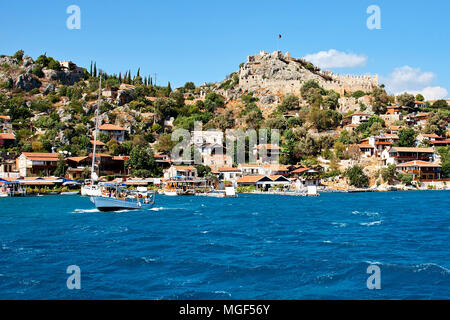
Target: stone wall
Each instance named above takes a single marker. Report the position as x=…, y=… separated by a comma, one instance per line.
x=278, y=73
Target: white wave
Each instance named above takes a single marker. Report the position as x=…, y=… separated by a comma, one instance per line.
x=373, y=223
x=86, y=210
x=339, y=224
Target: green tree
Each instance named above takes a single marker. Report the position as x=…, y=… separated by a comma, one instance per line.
x=440, y=104
x=389, y=173
x=420, y=97
x=357, y=177
x=407, y=137
x=290, y=102
x=18, y=55
x=444, y=153
x=406, y=99
x=60, y=167
x=213, y=101
x=142, y=162
x=380, y=100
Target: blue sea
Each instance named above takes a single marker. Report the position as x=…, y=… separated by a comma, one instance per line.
x=251, y=247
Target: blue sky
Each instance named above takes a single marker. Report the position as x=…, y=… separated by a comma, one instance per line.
x=202, y=41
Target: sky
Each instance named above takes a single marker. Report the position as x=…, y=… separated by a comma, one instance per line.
x=203, y=41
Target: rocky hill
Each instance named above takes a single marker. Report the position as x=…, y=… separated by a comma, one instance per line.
x=272, y=75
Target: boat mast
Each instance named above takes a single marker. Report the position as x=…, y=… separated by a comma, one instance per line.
x=96, y=128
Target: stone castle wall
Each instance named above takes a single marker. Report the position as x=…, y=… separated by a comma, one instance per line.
x=281, y=74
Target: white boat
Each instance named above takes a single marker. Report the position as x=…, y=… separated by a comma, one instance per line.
x=115, y=198
x=171, y=193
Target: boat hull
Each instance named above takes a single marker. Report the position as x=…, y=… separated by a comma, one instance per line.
x=109, y=204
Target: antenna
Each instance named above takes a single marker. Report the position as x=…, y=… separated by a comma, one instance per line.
x=96, y=128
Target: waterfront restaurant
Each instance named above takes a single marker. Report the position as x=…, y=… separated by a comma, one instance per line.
x=421, y=170
x=264, y=183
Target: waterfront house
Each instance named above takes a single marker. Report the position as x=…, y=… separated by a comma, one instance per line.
x=398, y=155
x=181, y=171
x=77, y=166
x=276, y=170
x=305, y=177
x=421, y=170
x=251, y=169
x=8, y=165
x=114, y=132
x=34, y=164
x=228, y=174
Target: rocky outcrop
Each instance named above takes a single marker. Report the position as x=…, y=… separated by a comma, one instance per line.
x=67, y=78
x=124, y=96
x=27, y=82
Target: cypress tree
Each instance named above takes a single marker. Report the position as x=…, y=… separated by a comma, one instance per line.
x=95, y=69
x=91, y=70
x=138, y=75
x=120, y=77
x=169, y=88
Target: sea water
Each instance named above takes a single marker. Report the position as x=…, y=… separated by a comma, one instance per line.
x=250, y=247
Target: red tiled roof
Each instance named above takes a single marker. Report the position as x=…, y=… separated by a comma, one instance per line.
x=101, y=155
x=110, y=127
x=184, y=168
x=36, y=156
x=224, y=169
x=250, y=179
x=99, y=143
x=77, y=159
x=7, y=136
x=418, y=163
x=300, y=170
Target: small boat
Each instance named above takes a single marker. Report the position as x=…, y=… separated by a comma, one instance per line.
x=116, y=198
x=70, y=193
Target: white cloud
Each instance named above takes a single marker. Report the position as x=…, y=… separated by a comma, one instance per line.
x=336, y=59
x=414, y=81
x=432, y=93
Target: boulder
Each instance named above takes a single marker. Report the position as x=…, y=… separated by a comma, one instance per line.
x=124, y=97
x=27, y=82
x=49, y=88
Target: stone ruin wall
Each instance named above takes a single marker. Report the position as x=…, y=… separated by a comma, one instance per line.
x=280, y=74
